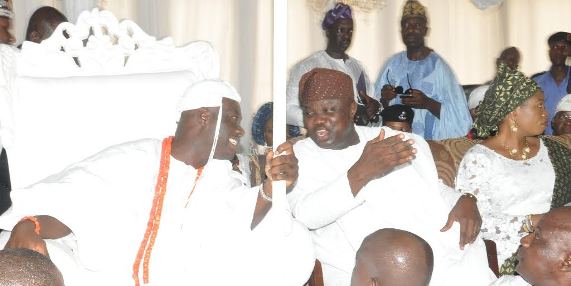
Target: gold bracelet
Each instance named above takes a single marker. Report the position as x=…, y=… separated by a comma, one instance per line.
x=469, y=195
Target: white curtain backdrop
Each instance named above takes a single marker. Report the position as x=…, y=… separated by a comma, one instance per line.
x=241, y=31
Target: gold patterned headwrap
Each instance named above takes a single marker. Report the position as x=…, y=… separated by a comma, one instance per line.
x=413, y=8
x=508, y=90
x=320, y=83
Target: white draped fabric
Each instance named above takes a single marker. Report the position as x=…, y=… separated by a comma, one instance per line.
x=106, y=200
x=468, y=38
x=407, y=198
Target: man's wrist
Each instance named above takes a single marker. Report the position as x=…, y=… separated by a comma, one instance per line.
x=357, y=180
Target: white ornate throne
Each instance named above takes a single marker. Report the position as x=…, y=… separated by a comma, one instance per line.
x=91, y=85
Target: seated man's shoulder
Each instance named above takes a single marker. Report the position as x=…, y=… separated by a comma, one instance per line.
x=305, y=147
x=142, y=146
x=310, y=61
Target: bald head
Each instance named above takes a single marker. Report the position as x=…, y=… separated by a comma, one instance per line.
x=42, y=23
x=393, y=257
x=545, y=255
x=25, y=267
x=510, y=56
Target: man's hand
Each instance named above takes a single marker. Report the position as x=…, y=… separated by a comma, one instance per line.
x=379, y=157
x=372, y=106
x=388, y=93
x=282, y=167
x=417, y=99
x=24, y=236
x=466, y=213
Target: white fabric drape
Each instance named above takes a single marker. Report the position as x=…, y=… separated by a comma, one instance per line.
x=468, y=38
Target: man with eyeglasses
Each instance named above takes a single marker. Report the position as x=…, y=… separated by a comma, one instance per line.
x=421, y=79
x=561, y=123
x=554, y=81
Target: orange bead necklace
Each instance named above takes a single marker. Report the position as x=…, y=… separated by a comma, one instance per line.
x=153, y=223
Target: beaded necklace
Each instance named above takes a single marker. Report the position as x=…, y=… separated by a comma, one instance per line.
x=524, y=151
x=153, y=224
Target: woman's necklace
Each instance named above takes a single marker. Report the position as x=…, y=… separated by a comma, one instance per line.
x=514, y=151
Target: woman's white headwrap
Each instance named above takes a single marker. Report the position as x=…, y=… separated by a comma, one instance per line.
x=208, y=93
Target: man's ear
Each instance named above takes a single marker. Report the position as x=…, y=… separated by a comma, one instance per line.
x=353, y=109
x=204, y=116
x=35, y=37
x=565, y=265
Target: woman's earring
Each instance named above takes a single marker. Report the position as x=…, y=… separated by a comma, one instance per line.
x=513, y=126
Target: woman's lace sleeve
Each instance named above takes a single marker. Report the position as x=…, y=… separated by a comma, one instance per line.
x=475, y=173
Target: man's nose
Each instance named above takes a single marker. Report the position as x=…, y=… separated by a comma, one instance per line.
x=240, y=131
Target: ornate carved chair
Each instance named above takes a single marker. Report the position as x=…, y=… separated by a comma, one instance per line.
x=106, y=83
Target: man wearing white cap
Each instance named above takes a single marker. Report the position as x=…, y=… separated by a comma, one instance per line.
x=6, y=16
x=561, y=123
x=213, y=229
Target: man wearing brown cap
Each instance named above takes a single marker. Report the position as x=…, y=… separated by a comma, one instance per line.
x=354, y=180
x=338, y=27
x=426, y=82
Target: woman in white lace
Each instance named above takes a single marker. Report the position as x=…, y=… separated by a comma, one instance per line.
x=510, y=174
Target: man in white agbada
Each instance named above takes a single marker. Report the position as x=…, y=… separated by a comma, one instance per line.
x=167, y=214
x=338, y=27
x=355, y=180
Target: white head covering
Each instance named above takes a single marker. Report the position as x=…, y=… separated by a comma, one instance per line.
x=477, y=95
x=5, y=10
x=207, y=93
x=564, y=104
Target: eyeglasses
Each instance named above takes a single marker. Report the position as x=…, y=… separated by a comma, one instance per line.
x=399, y=90
x=563, y=116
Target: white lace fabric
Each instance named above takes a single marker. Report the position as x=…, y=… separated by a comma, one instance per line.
x=507, y=191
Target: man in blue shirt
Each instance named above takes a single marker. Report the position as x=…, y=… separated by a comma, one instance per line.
x=421, y=79
x=554, y=81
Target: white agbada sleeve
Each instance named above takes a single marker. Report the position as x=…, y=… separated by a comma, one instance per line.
x=407, y=198
x=258, y=261
x=307, y=203
x=104, y=195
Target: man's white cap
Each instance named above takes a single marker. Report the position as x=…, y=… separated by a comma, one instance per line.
x=477, y=95
x=564, y=104
x=5, y=10
x=206, y=93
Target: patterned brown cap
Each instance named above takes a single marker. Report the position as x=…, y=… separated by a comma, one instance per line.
x=321, y=83
x=413, y=8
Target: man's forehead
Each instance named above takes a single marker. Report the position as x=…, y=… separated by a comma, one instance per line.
x=231, y=106
x=343, y=22
x=323, y=102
